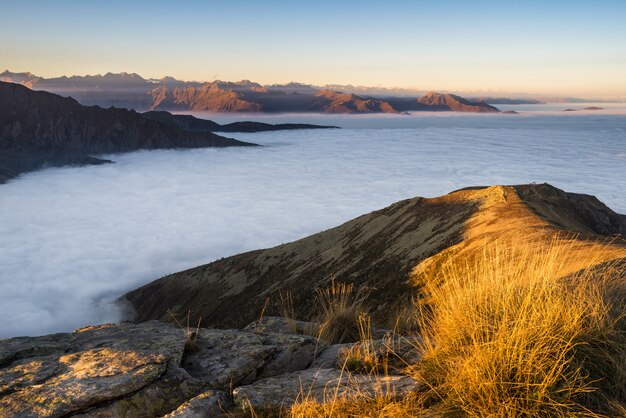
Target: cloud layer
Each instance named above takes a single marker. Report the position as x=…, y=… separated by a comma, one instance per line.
x=74, y=239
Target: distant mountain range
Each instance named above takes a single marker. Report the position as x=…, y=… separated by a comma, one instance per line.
x=505, y=100
x=39, y=129
x=135, y=92
x=443, y=102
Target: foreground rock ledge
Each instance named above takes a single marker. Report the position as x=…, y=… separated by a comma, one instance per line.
x=151, y=370
x=106, y=371
x=319, y=385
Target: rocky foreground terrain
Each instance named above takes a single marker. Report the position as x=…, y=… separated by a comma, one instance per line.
x=134, y=92
x=247, y=361
x=151, y=370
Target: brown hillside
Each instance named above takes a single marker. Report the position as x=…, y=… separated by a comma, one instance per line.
x=337, y=102
x=208, y=97
x=383, y=251
x=439, y=101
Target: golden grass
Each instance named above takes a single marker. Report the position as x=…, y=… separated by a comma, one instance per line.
x=506, y=335
x=363, y=356
x=340, y=308
x=359, y=405
x=286, y=309
x=508, y=332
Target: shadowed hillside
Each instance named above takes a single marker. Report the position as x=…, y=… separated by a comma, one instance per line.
x=382, y=251
x=39, y=129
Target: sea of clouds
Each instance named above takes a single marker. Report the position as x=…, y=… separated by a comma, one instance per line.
x=74, y=239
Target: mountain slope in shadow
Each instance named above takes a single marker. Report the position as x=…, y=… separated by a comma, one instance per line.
x=39, y=129
x=381, y=251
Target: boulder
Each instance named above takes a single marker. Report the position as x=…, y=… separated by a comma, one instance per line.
x=123, y=370
x=279, y=324
x=143, y=370
x=174, y=387
x=330, y=357
x=319, y=384
x=208, y=404
x=399, y=351
x=229, y=358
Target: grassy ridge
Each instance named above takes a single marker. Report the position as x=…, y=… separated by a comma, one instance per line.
x=506, y=334
x=510, y=332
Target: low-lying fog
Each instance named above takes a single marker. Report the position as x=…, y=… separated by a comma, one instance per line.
x=74, y=239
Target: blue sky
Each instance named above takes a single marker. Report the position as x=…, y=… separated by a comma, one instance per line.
x=556, y=47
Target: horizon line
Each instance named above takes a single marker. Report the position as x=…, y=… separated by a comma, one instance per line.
x=408, y=89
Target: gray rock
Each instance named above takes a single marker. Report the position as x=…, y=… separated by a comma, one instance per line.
x=209, y=404
x=142, y=370
x=400, y=351
x=24, y=347
x=229, y=358
x=174, y=387
x=318, y=384
x=330, y=357
x=278, y=324
x=69, y=373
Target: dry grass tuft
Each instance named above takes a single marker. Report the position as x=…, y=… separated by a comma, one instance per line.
x=375, y=357
x=340, y=309
x=286, y=309
x=191, y=333
x=406, y=318
x=506, y=335
x=358, y=405
x=363, y=356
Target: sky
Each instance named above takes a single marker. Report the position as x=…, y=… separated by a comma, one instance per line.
x=548, y=47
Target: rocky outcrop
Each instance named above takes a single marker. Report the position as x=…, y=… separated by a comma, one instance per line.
x=377, y=252
x=39, y=128
x=124, y=370
x=279, y=324
x=154, y=369
x=336, y=102
x=230, y=358
x=451, y=102
x=208, y=404
x=320, y=385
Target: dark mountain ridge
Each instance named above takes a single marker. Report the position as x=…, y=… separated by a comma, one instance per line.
x=39, y=129
x=191, y=123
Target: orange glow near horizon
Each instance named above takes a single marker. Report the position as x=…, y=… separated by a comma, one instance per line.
x=565, y=49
